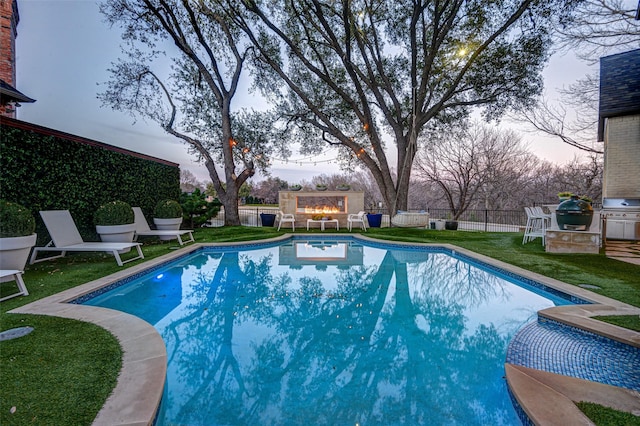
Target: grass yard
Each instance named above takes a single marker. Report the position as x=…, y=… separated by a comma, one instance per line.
x=64, y=370
x=604, y=416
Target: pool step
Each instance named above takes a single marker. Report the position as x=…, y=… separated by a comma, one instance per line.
x=549, y=346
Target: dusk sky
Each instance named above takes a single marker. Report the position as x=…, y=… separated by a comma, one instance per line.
x=64, y=49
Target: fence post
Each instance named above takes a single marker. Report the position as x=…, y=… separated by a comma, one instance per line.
x=486, y=220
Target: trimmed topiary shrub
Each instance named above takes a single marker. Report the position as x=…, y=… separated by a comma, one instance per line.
x=167, y=209
x=114, y=213
x=15, y=220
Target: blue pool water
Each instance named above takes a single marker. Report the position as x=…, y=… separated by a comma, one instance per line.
x=332, y=332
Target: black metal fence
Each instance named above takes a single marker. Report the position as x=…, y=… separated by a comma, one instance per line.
x=478, y=220
x=471, y=220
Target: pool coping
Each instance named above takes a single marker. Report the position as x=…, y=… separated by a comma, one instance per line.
x=138, y=392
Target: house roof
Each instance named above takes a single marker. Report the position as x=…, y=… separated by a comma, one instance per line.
x=8, y=93
x=619, y=87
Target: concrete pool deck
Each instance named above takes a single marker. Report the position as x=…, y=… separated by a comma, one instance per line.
x=546, y=398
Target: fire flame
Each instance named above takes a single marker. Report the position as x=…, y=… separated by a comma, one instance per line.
x=321, y=209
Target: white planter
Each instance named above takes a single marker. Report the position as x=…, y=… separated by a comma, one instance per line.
x=14, y=252
x=171, y=224
x=117, y=234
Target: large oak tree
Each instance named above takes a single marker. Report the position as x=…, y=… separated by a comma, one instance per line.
x=368, y=77
x=194, y=101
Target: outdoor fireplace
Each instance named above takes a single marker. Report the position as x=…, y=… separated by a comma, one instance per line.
x=306, y=204
x=335, y=204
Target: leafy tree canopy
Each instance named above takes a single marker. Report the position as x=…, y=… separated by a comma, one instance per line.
x=191, y=99
x=363, y=75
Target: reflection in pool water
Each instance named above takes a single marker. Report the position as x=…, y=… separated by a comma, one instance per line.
x=374, y=335
x=320, y=251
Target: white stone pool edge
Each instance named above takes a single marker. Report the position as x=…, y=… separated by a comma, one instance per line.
x=543, y=396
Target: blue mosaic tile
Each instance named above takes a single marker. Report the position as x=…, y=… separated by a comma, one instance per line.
x=522, y=415
x=557, y=348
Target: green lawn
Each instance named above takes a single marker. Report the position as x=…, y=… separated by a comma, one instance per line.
x=632, y=322
x=64, y=370
x=604, y=416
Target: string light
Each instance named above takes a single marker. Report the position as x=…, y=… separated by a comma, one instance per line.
x=310, y=160
x=303, y=161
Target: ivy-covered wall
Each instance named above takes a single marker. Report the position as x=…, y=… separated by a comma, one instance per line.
x=43, y=169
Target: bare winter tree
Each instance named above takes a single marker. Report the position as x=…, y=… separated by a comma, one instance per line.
x=540, y=185
x=189, y=182
x=597, y=28
x=582, y=177
x=362, y=180
x=601, y=27
x=576, y=128
x=268, y=189
x=476, y=164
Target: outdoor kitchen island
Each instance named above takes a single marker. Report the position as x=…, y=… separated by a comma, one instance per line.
x=558, y=240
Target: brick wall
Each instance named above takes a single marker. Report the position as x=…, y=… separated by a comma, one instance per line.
x=622, y=157
x=8, y=31
x=8, y=25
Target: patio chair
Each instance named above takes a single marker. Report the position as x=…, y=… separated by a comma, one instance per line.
x=286, y=218
x=536, y=226
x=357, y=219
x=66, y=238
x=143, y=229
x=12, y=274
x=539, y=211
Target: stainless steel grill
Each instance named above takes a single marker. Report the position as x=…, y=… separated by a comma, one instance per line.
x=622, y=218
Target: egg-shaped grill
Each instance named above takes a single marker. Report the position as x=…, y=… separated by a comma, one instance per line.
x=574, y=214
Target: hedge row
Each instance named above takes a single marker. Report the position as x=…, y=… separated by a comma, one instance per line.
x=44, y=172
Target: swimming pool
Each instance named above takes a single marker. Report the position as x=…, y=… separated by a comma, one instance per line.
x=332, y=331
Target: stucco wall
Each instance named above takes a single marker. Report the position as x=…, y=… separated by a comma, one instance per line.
x=354, y=204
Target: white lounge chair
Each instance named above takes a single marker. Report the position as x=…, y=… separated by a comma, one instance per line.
x=357, y=219
x=286, y=218
x=143, y=229
x=12, y=274
x=65, y=237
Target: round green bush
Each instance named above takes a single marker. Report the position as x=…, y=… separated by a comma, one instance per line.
x=167, y=209
x=15, y=220
x=114, y=213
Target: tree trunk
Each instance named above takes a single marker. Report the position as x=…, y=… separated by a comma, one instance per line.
x=231, y=214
